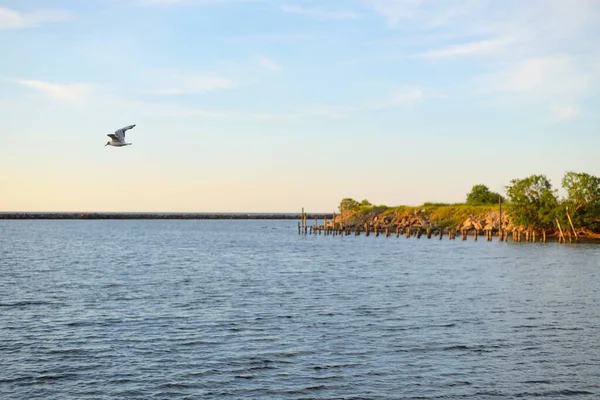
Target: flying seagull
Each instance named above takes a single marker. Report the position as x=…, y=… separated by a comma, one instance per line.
x=118, y=138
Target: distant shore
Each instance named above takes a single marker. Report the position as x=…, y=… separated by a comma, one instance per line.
x=156, y=215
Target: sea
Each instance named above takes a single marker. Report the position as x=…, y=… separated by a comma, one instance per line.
x=250, y=309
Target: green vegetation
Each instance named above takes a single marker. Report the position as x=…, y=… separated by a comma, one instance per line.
x=349, y=204
x=531, y=203
x=534, y=203
x=583, y=201
x=480, y=194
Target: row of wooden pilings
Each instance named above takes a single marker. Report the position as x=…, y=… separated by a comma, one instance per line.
x=410, y=231
x=368, y=229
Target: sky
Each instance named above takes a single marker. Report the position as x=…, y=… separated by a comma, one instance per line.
x=271, y=106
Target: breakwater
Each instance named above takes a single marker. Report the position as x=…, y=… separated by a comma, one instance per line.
x=156, y=215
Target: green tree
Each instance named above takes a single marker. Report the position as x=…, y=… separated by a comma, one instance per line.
x=365, y=203
x=583, y=201
x=348, y=204
x=533, y=202
x=480, y=194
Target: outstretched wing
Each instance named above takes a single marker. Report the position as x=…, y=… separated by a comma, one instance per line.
x=113, y=136
x=121, y=132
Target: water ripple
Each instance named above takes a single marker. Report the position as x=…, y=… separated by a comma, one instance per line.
x=231, y=310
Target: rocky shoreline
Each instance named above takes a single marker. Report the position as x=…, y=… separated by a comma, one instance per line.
x=478, y=221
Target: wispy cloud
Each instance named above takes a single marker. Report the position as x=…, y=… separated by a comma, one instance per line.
x=563, y=112
x=319, y=112
x=539, y=78
x=76, y=93
x=406, y=96
x=268, y=63
x=531, y=51
x=319, y=12
x=276, y=37
x=12, y=19
x=484, y=47
x=191, y=2
x=192, y=85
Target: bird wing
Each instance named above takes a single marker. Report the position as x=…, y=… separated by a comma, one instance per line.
x=121, y=132
x=113, y=136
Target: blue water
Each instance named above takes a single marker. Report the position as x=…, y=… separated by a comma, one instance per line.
x=251, y=310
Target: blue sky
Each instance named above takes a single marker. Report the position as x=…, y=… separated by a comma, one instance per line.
x=264, y=105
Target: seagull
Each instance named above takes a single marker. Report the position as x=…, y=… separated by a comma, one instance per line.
x=118, y=138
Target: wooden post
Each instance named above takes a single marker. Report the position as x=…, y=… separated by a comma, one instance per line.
x=387, y=231
x=376, y=230
x=299, y=228
x=500, y=220
x=367, y=229
x=543, y=235
x=572, y=227
x=441, y=233
x=561, y=231
x=429, y=233
x=397, y=230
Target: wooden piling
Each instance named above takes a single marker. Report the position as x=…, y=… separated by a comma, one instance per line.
x=572, y=227
x=561, y=231
x=500, y=234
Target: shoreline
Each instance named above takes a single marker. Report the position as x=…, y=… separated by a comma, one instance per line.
x=156, y=215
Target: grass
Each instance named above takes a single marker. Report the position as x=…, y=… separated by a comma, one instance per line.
x=443, y=215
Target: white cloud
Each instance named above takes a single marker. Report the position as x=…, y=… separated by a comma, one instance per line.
x=276, y=37
x=71, y=93
x=318, y=12
x=484, y=47
x=540, y=78
x=192, y=2
x=405, y=97
x=408, y=96
x=530, y=52
x=564, y=112
x=322, y=111
x=12, y=19
x=192, y=85
x=268, y=63
x=394, y=11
